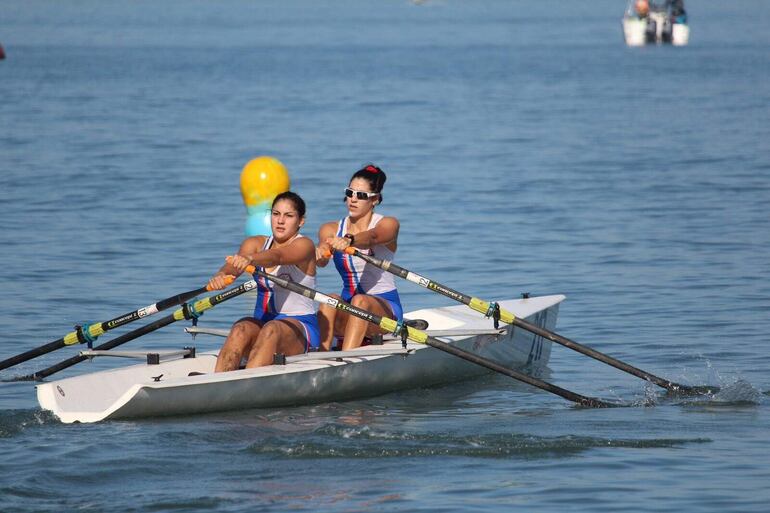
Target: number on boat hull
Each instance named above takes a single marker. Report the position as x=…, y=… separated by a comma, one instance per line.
x=536, y=349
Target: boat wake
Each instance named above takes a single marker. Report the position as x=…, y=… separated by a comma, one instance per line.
x=718, y=391
x=337, y=441
x=738, y=393
x=13, y=422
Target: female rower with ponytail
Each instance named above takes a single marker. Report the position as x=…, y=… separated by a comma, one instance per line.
x=363, y=285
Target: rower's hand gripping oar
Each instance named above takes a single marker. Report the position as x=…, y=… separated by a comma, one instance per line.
x=188, y=311
x=88, y=333
x=421, y=337
x=491, y=309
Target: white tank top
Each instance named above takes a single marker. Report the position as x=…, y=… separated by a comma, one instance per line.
x=358, y=276
x=273, y=300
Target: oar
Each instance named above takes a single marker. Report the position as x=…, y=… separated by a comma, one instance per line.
x=421, y=337
x=90, y=332
x=489, y=309
x=188, y=311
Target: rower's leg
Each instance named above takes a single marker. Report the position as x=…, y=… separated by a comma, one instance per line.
x=357, y=328
x=238, y=343
x=285, y=336
x=330, y=323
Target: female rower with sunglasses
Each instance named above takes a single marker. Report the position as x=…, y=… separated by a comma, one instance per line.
x=283, y=321
x=363, y=285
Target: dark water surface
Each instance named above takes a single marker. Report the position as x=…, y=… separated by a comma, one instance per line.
x=528, y=150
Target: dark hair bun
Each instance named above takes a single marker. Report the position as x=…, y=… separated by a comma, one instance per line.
x=372, y=174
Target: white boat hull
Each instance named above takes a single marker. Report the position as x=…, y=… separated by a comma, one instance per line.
x=680, y=34
x=138, y=391
x=656, y=29
x=634, y=31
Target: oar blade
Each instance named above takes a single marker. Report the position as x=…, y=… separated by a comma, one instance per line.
x=691, y=391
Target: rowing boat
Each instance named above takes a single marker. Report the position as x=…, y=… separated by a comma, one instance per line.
x=183, y=383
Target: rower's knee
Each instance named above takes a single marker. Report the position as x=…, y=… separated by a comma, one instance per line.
x=267, y=340
x=361, y=301
x=270, y=331
x=265, y=345
x=244, y=328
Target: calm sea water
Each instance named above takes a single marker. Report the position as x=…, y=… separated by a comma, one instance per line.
x=528, y=150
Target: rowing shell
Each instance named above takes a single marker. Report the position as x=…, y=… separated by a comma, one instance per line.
x=167, y=388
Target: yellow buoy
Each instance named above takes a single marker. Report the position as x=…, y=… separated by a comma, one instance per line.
x=262, y=179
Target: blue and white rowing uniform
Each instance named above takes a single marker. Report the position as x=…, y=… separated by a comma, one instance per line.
x=360, y=277
x=275, y=303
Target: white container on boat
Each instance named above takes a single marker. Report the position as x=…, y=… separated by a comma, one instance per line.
x=680, y=34
x=634, y=31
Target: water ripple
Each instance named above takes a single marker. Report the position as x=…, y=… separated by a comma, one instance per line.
x=336, y=441
x=14, y=422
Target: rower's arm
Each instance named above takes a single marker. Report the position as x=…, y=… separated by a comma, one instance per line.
x=326, y=231
x=249, y=246
x=385, y=233
x=298, y=252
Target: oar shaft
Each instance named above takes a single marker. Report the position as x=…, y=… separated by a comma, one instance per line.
x=421, y=337
x=509, y=318
x=520, y=376
x=422, y=281
x=32, y=353
x=571, y=344
x=151, y=309
x=69, y=362
x=198, y=307
x=95, y=330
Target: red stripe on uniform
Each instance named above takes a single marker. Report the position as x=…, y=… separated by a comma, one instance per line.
x=266, y=298
x=348, y=264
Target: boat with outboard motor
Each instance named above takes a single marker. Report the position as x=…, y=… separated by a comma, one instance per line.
x=183, y=382
x=646, y=22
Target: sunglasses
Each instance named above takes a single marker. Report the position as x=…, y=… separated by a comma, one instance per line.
x=362, y=195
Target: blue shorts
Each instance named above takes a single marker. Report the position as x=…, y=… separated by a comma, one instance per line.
x=391, y=297
x=309, y=323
